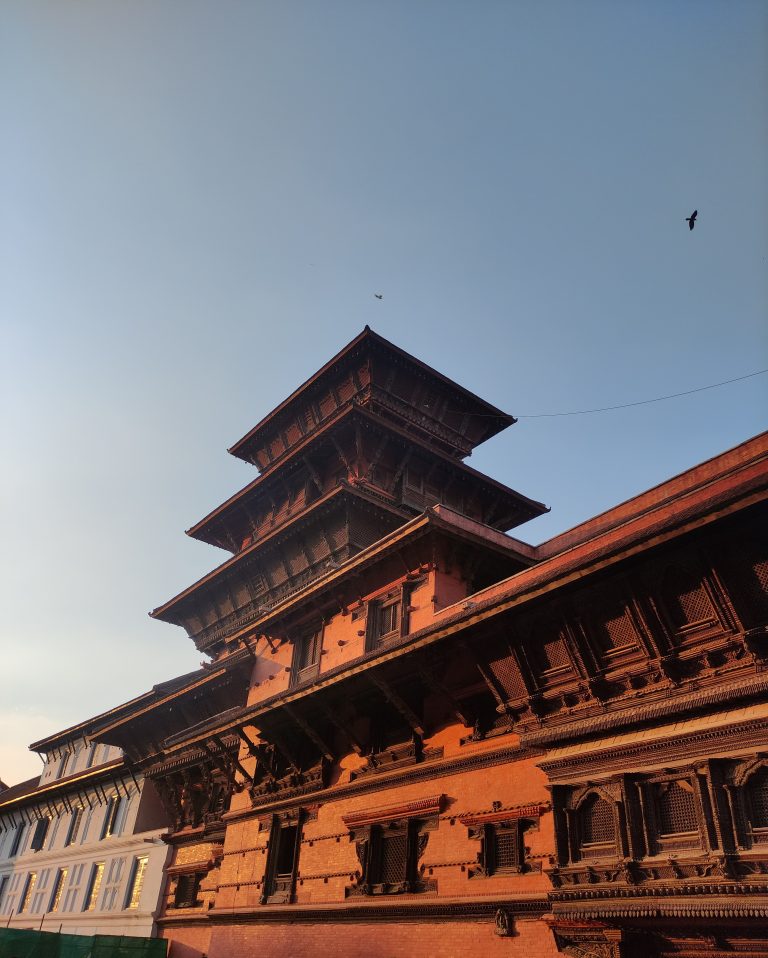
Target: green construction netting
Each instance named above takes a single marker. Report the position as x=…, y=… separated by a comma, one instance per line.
x=20, y=943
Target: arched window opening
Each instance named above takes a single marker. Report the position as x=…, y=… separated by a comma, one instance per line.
x=676, y=808
x=597, y=827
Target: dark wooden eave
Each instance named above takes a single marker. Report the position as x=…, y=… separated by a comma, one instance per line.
x=496, y=420
x=212, y=528
x=705, y=494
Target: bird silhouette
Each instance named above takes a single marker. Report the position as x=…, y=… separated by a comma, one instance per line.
x=379, y=295
x=691, y=220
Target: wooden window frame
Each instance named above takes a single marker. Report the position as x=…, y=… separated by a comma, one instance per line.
x=659, y=843
x=370, y=844
x=399, y=596
x=280, y=888
x=26, y=896
x=591, y=851
x=188, y=897
x=17, y=840
x=305, y=673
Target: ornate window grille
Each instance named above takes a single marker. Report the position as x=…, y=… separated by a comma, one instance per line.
x=596, y=827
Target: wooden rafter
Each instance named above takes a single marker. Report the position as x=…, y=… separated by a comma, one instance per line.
x=398, y=702
x=485, y=673
x=233, y=759
x=331, y=716
x=313, y=474
x=401, y=467
x=442, y=690
x=311, y=734
x=342, y=455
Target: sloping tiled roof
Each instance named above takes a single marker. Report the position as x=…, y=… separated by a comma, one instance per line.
x=19, y=791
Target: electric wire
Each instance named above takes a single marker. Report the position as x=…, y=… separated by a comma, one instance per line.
x=642, y=402
x=625, y=405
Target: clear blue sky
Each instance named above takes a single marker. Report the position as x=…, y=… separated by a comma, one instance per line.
x=199, y=201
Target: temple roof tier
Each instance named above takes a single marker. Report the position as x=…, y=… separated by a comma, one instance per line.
x=238, y=592
x=362, y=447
x=372, y=372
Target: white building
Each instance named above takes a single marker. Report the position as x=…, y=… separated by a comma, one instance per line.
x=80, y=846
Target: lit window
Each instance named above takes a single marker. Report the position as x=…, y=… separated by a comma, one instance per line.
x=74, y=825
x=111, y=818
x=29, y=887
x=58, y=887
x=97, y=873
x=137, y=882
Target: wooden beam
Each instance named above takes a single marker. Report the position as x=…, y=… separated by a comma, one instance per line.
x=437, y=686
x=344, y=729
x=493, y=687
x=311, y=734
x=395, y=699
x=313, y=474
x=234, y=759
x=401, y=467
x=342, y=455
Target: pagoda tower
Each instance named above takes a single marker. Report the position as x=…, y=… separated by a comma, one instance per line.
x=371, y=440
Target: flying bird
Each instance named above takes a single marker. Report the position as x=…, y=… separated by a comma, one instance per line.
x=691, y=220
x=381, y=296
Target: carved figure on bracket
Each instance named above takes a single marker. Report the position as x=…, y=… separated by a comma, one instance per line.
x=505, y=926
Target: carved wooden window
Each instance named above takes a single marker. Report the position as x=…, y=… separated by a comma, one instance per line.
x=282, y=860
x=306, y=656
x=687, y=602
x=187, y=890
x=548, y=652
x=756, y=793
x=387, y=618
x=596, y=827
x=389, y=854
x=502, y=849
x=676, y=811
x=615, y=631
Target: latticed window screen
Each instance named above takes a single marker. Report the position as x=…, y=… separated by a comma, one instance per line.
x=187, y=888
x=757, y=799
x=676, y=808
x=686, y=598
x=393, y=861
x=502, y=847
x=596, y=821
x=616, y=630
x=506, y=673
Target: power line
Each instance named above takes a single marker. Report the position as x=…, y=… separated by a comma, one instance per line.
x=642, y=402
